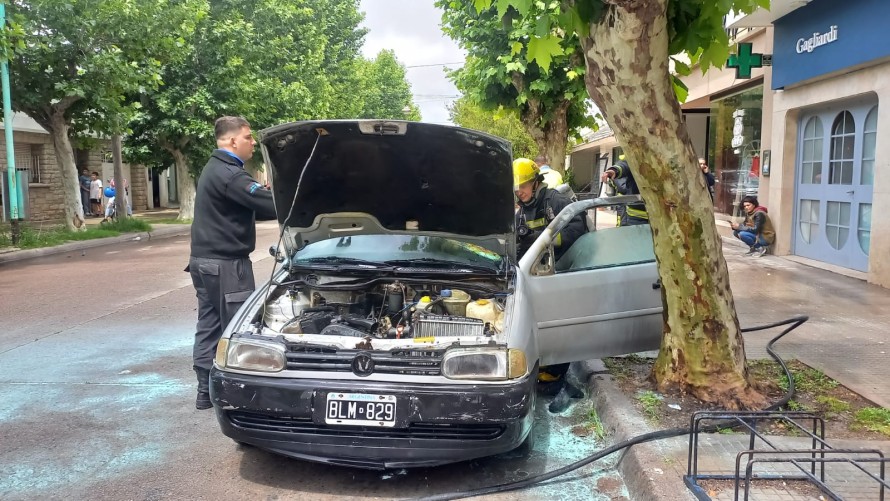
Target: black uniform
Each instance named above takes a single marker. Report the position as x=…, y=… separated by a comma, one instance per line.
x=227, y=203
x=631, y=213
x=539, y=212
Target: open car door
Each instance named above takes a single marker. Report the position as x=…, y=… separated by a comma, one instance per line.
x=602, y=298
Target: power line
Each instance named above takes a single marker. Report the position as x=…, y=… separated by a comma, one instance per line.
x=430, y=65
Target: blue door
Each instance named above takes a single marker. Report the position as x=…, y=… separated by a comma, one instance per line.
x=835, y=178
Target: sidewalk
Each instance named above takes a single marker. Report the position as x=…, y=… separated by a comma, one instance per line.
x=150, y=216
x=846, y=337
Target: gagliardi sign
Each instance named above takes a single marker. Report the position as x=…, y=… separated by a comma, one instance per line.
x=817, y=40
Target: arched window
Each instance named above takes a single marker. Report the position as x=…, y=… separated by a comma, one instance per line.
x=811, y=165
x=843, y=138
x=869, y=140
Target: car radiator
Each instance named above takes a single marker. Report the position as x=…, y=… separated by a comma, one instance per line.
x=429, y=325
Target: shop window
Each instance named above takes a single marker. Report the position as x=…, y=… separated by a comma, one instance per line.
x=811, y=165
x=864, y=230
x=869, y=141
x=843, y=138
x=734, y=148
x=809, y=219
x=837, y=223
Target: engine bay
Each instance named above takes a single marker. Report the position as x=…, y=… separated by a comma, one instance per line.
x=385, y=309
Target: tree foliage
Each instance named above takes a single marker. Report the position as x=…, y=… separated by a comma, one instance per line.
x=502, y=123
x=384, y=91
x=270, y=61
x=75, y=62
x=513, y=62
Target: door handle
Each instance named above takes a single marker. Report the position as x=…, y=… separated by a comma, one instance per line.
x=656, y=284
x=851, y=192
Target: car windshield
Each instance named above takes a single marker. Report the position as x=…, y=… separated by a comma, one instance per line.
x=404, y=250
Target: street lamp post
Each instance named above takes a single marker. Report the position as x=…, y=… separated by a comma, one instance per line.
x=15, y=192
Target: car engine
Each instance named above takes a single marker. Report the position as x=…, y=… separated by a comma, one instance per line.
x=393, y=310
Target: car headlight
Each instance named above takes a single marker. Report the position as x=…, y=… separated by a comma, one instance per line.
x=484, y=363
x=250, y=355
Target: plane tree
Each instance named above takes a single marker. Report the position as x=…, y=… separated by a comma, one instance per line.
x=627, y=46
x=74, y=63
x=511, y=65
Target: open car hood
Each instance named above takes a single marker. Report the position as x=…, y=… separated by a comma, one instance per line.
x=390, y=177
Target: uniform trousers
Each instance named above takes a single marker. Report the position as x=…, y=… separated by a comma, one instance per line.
x=222, y=286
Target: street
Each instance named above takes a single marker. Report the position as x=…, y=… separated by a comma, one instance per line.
x=98, y=398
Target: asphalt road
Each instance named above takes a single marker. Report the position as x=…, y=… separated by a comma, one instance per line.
x=97, y=398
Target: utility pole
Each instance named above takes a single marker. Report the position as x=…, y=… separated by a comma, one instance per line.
x=15, y=190
x=120, y=192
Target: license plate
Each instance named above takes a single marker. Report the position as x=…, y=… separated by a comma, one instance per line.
x=361, y=409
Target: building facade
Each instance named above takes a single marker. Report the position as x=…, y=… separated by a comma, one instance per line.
x=39, y=174
x=802, y=134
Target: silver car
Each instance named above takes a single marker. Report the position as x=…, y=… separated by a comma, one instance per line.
x=400, y=330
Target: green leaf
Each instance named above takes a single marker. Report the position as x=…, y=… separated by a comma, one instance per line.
x=516, y=48
x=680, y=88
x=481, y=5
x=680, y=67
x=523, y=6
x=571, y=75
x=542, y=50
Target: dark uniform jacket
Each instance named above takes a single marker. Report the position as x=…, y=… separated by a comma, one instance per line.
x=227, y=204
x=542, y=210
x=622, y=171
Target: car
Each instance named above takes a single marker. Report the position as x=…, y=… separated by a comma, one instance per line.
x=399, y=329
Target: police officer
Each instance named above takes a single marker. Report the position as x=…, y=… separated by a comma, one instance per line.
x=227, y=203
x=632, y=213
x=538, y=206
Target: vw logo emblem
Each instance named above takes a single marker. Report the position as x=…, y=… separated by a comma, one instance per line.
x=362, y=364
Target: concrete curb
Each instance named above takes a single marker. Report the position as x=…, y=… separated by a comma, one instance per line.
x=622, y=421
x=167, y=230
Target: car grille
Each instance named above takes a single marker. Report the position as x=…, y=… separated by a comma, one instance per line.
x=282, y=424
x=324, y=358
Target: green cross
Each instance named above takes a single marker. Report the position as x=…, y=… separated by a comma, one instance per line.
x=744, y=61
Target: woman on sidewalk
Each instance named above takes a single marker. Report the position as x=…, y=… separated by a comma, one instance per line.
x=757, y=230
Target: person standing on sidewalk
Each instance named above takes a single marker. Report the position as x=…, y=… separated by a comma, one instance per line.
x=709, y=177
x=95, y=194
x=85, y=182
x=227, y=204
x=757, y=230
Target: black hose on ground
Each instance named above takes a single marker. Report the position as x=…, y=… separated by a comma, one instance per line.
x=793, y=323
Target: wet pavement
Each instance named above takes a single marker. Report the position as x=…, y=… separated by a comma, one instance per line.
x=98, y=393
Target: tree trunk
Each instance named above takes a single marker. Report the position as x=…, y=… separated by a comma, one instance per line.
x=58, y=130
x=120, y=191
x=702, y=351
x=185, y=186
x=551, y=139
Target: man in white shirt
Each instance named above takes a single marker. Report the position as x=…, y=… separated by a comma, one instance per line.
x=95, y=194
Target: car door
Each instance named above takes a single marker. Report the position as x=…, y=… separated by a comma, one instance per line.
x=602, y=298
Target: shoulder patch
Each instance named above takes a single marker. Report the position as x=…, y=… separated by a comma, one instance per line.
x=253, y=187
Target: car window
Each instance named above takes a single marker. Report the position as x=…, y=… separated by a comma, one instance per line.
x=382, y=248
x=609, y=247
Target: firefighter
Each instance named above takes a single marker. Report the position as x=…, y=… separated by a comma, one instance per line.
x=632, y=213
x=538, y=206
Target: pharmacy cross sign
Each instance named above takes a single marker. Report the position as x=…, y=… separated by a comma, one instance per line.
x=745, y=60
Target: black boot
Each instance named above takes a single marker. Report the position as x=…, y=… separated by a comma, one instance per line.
x=562, y=399
x=202, y=402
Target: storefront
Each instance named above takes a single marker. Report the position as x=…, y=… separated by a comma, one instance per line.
x=830, y=181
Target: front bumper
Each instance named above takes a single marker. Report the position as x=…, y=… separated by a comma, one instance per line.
x=435, y=424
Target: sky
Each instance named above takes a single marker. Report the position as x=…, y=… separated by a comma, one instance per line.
x=411, y=29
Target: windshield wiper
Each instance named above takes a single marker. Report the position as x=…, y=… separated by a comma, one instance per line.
x=341, y=261
x=429, y=262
